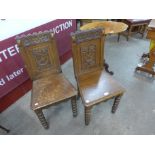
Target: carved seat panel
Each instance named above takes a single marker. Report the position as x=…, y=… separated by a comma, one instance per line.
x=50, y=90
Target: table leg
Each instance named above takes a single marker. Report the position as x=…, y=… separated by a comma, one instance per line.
x=107, y=69
x=118, y=37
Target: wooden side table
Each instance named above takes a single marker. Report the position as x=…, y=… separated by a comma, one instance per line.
x=148, y=59
x=109, y=27
x=140, y=24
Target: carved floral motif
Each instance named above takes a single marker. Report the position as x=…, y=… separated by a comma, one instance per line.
x=88, y=55
x=42, y=58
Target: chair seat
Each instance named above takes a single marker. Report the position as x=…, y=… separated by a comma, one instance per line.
x=50, y=90
x=99, y=87
x=137, y=21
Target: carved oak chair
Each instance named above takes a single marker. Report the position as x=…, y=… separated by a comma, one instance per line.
x=94, y=84
x=50, y=86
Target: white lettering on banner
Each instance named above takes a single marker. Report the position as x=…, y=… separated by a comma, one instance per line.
x=11, y=76
x=4, y=55
x=57, y=29
x=2, y=82
x=62, y=27
x=14, y=74
x=9, y=52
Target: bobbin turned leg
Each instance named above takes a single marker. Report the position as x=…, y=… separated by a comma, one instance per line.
x=87, y=115
x=42, y=119
x=74, y=106
x=116, y=103
x=78, y=95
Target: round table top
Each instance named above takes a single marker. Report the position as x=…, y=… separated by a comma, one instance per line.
x=109, y=27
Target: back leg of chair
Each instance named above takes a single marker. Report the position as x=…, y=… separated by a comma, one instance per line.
x=78, y=95
x=74, y=106
x=42, y=119
x=116, y=103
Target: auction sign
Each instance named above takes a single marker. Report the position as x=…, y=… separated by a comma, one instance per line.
x=12, y=71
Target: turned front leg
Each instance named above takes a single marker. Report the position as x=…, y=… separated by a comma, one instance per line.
x=116, y=103
x=74, y=106
x=87, y=115
x=42, y=119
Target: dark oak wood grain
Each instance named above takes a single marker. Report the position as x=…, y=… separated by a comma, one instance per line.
x=50, y=86
x=94, y=84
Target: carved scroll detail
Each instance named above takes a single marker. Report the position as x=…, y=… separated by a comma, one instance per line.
x=86, y=35
x=35, y=38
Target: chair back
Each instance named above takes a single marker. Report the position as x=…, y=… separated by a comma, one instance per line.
x=39, y=53
x=87, y=50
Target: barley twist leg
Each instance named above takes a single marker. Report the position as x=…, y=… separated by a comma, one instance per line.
x=74, y=106
x=116, y=103
x=87, y=115
x=42, y=119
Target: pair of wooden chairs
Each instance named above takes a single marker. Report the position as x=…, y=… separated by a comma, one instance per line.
x=50, y=86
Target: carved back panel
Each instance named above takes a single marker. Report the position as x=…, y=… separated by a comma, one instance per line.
x=40, y=54
x=87, y=49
